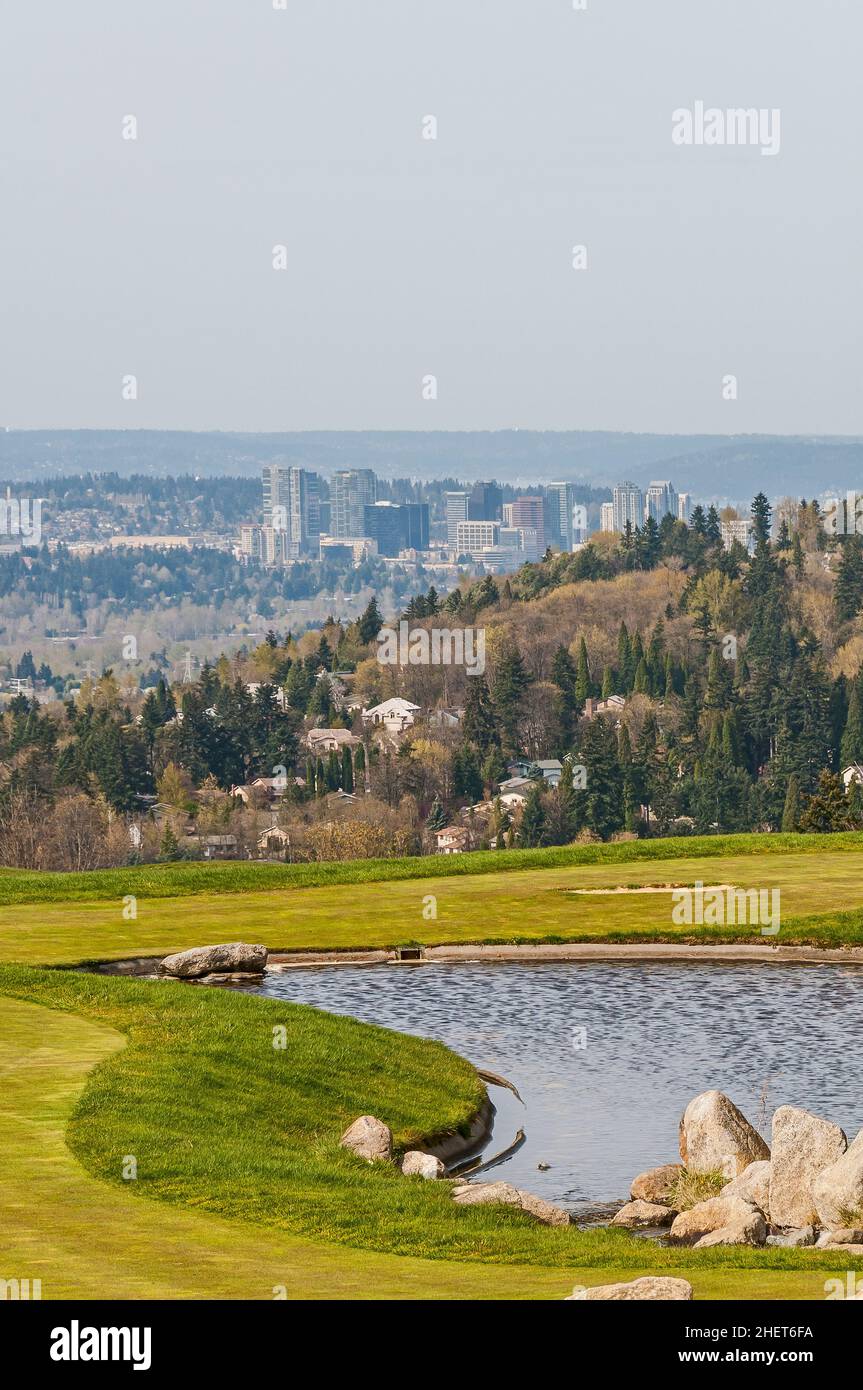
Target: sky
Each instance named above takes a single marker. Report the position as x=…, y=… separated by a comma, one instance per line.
x=720, y=286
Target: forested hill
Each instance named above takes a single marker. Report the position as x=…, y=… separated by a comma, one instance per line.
x=714, y=467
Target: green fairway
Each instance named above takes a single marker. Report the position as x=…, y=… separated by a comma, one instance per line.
x=821, y=900
x=241, y=1140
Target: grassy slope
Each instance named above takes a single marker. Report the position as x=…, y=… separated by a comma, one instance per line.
x=246, y=1136
x=820, y=878
x=181, y=880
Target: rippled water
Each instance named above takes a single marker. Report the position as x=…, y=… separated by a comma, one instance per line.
x=654, y=1035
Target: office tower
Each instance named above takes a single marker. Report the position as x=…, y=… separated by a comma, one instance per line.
x=304, y=512
x=531, y=544
x=684, y=506
x=292, y=506
x=628, y=506
x=485, y=502
x=417, y=525
x=506, y=513
x=739, y=530
x=457, y=505
x=472, y=536
x=606, y=516
x=251, y=540
x=351, y=491
x=661, y=500
x=387, y=524
x=561, y=502
x=529, y=513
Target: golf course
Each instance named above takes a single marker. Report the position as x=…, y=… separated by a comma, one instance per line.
x=158, y=1144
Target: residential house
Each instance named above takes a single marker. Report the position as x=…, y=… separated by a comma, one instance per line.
x=851, y=774
x=394, y=715
x=220, y=846
x=326, y=740
x=615, y=704
x=274, y=841
x=453, y=839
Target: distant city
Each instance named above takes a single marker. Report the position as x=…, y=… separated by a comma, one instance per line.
x=306, y=517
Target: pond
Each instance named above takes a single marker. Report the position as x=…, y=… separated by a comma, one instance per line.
x=607, y=1055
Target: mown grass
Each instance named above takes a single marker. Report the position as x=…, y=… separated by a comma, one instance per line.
x=183, y=879
x=821, y=902
x=220, y=1121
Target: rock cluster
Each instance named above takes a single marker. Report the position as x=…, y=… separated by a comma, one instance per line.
x=372, y=1140
x=806, y=1189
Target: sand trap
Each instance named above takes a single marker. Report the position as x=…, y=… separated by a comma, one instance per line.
x=653, y=888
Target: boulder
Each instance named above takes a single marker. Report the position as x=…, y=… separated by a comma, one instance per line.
x=715, y=1137
x=802, y=1146
x=653, y=1287
x=655, y=1185
x=215, y=960
x=422, y=1165
x=794, y=1240
x=744, y=1230
x=828, y=1239
x=739, y=1222
x=753, y=1185
x=636, y=1214
x=369, y=1138
x=838, y=1189
x=474, y=1194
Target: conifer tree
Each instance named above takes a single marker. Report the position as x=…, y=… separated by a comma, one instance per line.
x=791, y=809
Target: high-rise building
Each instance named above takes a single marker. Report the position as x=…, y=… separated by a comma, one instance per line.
x=457, y=509
x=529, y=513
x=628, y=506
x=661, y=500
x=473, y=536
x=418, y=525
x=561, y=504
x=292, y=506
x=386, y=523
x=684, y=506
x=304, y=512
x=485, y=502
x=275, y=481
x=739, y=530
x=606, y=516
x=351, y=491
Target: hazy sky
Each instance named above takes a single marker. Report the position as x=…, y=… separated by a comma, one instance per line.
x=302, y=127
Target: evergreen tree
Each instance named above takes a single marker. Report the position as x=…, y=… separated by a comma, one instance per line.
x=848, y=590
x=370, y=623
x=798, y=559
x=791, y=810
x=852, y=737
x=169, y=848
x=510, y=683
x=826, y=811
x=530, y=831
x=347, y=769
x=437, y=816
x=600, y=805
x=479, y=724
x=582, y=677
x=761, y=513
